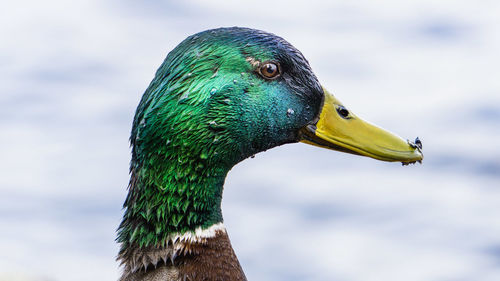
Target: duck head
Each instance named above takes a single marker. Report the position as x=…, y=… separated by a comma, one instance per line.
x=226, y=94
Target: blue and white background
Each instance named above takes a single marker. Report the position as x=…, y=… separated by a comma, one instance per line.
x=72, y=73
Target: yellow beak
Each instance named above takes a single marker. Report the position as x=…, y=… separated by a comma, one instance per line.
x=341, y=130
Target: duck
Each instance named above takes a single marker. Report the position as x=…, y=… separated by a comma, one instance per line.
x=219, y=97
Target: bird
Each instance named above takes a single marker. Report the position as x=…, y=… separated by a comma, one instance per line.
x=219, y=97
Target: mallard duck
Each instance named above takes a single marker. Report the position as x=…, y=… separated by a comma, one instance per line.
x=219, y=97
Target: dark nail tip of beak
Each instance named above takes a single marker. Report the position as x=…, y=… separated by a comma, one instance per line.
x=417, y=144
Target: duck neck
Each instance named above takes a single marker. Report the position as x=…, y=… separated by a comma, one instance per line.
x=176, y=201
x=167, y=203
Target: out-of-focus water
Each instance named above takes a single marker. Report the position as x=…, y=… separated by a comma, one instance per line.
x=72, y=73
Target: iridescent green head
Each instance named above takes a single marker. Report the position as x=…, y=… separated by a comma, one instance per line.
x=219, y=97
x=225, y=94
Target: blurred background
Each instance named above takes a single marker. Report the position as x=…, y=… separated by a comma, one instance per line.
x=72, y=73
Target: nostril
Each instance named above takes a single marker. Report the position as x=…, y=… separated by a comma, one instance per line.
x=342, y=111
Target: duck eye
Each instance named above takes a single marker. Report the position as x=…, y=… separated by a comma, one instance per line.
x=269, y=70
x=343, y=112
